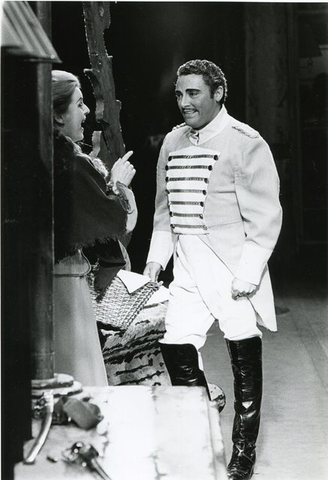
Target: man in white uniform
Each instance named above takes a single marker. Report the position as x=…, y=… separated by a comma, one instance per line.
x=218, y=212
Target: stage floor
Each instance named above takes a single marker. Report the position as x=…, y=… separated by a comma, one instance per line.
x=293, y=439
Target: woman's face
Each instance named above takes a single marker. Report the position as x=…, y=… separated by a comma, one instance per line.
x=75, y=116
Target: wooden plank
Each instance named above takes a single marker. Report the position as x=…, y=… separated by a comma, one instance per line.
x=97, y=20
x=147, y=433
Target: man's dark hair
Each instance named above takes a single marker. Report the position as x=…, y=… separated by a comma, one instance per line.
x=212, y=75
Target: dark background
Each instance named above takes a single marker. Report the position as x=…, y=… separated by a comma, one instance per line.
x=148, y=41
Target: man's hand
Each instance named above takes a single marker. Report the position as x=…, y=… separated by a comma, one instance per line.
x=240, y=288
x=152, y=270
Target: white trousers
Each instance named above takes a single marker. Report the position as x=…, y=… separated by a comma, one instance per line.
x=200, y=294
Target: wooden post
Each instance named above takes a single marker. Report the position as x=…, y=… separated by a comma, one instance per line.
x=42, y=298
x=97, y=19
x=42, y=324
x=109, y=144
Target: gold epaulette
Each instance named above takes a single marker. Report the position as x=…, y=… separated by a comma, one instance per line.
x=179, y=126
x=246, y=130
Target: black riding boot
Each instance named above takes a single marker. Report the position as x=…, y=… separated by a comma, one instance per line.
x=246, y=362
x=182, y=365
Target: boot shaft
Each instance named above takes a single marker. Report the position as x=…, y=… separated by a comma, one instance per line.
x=182, y=365
x=246, y=362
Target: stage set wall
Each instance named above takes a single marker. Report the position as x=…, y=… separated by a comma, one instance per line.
x=256, y=45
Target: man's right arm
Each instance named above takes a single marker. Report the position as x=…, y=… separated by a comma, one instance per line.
x=162, y=240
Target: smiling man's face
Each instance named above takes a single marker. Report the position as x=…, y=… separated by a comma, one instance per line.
x=195, y=101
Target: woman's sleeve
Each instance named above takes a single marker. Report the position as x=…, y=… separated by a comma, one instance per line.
x=127, y=199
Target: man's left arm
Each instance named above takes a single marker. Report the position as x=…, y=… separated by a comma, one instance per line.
x=257, y=190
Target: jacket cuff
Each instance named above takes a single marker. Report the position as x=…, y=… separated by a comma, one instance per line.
x=161, y=248
x=252, y=263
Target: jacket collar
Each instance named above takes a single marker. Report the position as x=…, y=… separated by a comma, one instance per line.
x=209, y=131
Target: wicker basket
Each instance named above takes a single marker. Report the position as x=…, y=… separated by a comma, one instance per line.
x=117, y=308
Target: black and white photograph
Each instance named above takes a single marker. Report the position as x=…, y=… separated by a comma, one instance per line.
x=164, y=240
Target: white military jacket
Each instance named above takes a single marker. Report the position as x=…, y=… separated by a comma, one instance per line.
x=221, y=184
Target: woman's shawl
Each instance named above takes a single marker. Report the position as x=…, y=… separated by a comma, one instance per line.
x=83, y=213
